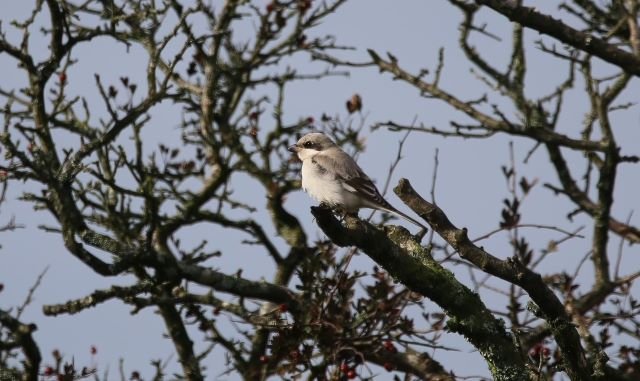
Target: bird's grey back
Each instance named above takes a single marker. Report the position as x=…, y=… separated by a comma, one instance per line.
x=339, y=162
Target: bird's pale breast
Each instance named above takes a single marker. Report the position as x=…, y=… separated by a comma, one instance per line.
x=324, y=187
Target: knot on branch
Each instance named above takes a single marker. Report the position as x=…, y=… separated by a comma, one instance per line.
x=413, y=200
x=519, y=269
x=27, y=329
x=460, y=235
x=534, y=309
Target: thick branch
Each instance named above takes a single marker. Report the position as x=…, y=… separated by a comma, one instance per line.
x=406, y=260
x=548, y=25
x=510, y=270
x=181, y=341
x=99, y=296
x=419, y=364
x=238, y=286
x=22, y=333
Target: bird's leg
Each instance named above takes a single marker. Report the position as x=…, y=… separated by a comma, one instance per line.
x=340, y=212
x=324, y=205
x=350, y=214
x=336, y=210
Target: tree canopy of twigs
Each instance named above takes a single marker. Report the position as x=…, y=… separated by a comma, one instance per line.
x=123, y=200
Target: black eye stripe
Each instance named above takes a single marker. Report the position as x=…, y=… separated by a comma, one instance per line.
x=307, y=144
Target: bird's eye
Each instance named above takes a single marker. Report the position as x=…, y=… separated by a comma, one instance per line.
x=307, y=144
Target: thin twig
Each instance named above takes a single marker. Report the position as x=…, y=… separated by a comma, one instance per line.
x=393, y=165
x=32, y=290
x=548, y=227
x=434, y=177
x=620, y=247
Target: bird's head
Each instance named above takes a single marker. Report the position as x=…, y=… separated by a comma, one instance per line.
x=311, y=144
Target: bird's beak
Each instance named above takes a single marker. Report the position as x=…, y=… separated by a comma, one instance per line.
x=294, y=148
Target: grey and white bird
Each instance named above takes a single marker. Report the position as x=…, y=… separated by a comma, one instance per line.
x=332, y=177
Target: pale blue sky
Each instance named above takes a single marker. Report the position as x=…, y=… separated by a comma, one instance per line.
x=470, y=185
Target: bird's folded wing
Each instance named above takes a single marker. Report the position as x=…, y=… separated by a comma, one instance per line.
x=368, y=191
x=355, y=180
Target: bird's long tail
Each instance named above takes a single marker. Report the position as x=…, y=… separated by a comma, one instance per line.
x=400, y=214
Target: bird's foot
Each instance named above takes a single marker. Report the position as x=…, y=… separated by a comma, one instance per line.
x=324, y=205
x=340, y=212
x=346, y=214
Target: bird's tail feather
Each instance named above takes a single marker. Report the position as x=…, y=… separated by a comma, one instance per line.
x=400, y=214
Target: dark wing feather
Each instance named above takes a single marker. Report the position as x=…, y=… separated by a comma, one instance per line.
x=347, y=170
x=355, y=180
x=368, y=191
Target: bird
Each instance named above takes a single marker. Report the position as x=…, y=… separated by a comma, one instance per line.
x=331, y=177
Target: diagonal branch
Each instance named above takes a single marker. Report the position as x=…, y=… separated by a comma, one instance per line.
x=239, y=286
x=570, y=189
x=99, y=296
x=23, y=335
x=538, y=133
x=406, y=260
x=550, y=26
x=512, y=271
x=181, y=341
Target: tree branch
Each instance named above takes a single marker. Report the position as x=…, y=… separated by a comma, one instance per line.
x=23, y=334
x=239, y=286
x=510, y=270
x=538, y=133
x=548, y=25
x=397, y=252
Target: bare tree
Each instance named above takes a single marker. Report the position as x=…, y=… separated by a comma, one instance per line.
x=91, y=167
